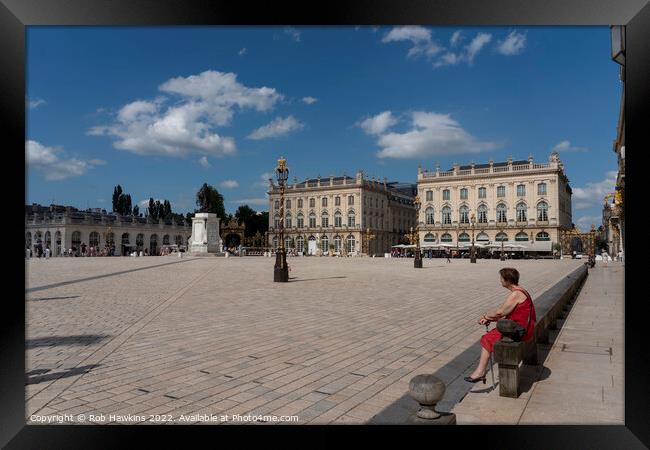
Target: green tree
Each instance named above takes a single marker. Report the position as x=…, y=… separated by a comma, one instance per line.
x=136, y=210
x=209, y=200
x=152, y=211
x=245, y=214
x=117, y=192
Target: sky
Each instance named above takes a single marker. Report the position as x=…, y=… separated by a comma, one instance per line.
x=162, y=110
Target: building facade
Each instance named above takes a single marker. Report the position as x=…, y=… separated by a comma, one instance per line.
x=343, y=214
x=520, y=202
x=61, y=228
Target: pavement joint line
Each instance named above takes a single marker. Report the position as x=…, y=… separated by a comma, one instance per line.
x=128, y=332
x=96, y=277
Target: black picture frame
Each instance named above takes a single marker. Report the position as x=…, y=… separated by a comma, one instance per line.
x=15, y=15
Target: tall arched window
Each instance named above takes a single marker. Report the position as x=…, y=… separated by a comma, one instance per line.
x=446, y=215
x=482, y=214
x=301, y=220
x=76, y=240
x=153, y=245
x=300, y=244
x=429, y=216
x=351, y=218
x=312, y=220
x=125, y=239
x=463, y=194
x=139, y=241
x=324, y=244
x=542, y=236
x=275, y=242
x=463, y=214
x=287, y=220
x=166, y=239
x=48, y=240
x=482, y=237
x=277, y=204
x=324, y=219
x=521, y=212
x=445, y=194
x=57, y=243
x=338, y=220
x=542, y=211
x=501, y=213
x=521, y=237
x=178, y=240
x=501, y=237
x=288, y=242
x=93, y=239
x=276, y=221
x=351, y=244
x=463, y=237
x=337, y=243
x=429, y=238
x=541, y=189
x=445, y=237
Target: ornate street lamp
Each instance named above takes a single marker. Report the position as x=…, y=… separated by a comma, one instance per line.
x=472, y=258
x=503, y=257
x=281, y=270
x=417, y=262
x=369, y=237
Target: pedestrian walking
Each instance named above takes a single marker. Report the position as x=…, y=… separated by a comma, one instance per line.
x=447, y=254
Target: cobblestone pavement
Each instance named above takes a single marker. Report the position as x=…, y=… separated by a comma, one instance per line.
x=139, y=340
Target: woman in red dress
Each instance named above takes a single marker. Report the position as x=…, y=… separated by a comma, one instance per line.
x=518, y=306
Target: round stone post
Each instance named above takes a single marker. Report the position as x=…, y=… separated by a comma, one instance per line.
x=428, y=390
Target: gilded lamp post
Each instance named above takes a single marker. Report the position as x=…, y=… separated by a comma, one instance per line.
x=369, y=237
x=417, y=262
x=281, y=270
x=472, y=252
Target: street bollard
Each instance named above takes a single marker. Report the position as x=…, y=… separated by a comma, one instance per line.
x=428, y=390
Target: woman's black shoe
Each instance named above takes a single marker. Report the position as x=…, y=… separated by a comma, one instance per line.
x=474, y=380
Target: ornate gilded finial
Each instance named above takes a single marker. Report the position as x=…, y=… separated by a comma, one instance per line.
x=282, y=163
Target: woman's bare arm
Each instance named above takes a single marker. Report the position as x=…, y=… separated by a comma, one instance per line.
x=507, y=306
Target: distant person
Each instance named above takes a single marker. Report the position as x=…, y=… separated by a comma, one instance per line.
x=447, y=255
x=518, y=306
x=28, y=252
x=620, y=255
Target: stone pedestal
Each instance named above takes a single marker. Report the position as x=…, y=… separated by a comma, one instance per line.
x=205, y=234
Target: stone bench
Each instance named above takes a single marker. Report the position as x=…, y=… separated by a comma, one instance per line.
x=549, y=307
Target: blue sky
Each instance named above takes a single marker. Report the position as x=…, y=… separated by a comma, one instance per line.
x=163, y=110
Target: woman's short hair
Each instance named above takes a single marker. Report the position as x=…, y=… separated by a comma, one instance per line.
x=509, y=275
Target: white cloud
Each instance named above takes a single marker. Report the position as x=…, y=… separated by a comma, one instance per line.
x=229, y=184
x=264, y=180
x=309, y=100
x=431, y=134
x=204, y=101
x=204, y=162
x=565, y=146
x=467, y=54
x=585, y=222
x=295, y=34
x=145, y=203
x=455, y=38
x=33, y=104
x=379, y=123
x=48, y=161
x=277, y=127
x=420, y=37
x=513, y=44
x=242, y=51
x=592, y=194
x=476, y=45
x=251, y=201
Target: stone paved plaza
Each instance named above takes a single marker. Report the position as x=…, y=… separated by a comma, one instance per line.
x=170, y=337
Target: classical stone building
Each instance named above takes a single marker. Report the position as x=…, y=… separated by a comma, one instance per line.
x=61, y=227
x=520, y=202
x=355, y=215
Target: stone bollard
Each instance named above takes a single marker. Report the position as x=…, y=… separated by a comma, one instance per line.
x=428, y=390
x=507, y=354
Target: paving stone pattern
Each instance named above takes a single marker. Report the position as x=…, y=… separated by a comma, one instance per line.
x=165, y=336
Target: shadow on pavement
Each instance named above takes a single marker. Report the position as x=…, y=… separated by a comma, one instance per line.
x=54, y=341
x=293, y=280
x=51, y=298
x=54, y=376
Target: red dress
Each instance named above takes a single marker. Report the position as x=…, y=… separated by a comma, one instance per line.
x=520, y=315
